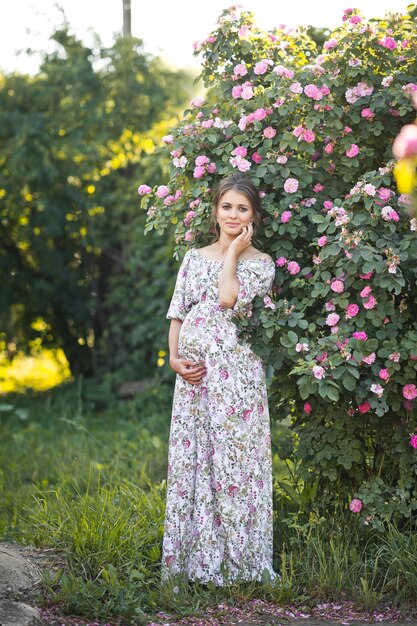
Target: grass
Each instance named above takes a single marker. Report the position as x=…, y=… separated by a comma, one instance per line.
x=92, y=486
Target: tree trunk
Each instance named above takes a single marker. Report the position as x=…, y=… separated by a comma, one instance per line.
x=127, y=18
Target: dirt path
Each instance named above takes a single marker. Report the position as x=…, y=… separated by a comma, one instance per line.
x=21, y=599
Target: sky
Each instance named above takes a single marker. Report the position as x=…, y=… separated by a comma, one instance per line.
x=168, y=28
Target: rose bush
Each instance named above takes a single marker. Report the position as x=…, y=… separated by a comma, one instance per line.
x=314, y=130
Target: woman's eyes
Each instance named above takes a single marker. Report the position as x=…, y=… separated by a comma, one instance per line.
x=242, y=209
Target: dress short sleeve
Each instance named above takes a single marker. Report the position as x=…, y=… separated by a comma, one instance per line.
x=178, y=307
x=255, y=279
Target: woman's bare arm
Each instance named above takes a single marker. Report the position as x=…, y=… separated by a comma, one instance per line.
x=228, y=281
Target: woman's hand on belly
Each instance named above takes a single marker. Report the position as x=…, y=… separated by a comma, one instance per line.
x=191, y=371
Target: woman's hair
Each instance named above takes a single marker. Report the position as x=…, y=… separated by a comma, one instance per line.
x=244, y=185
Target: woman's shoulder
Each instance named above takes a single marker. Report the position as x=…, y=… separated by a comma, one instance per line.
x=257, y=254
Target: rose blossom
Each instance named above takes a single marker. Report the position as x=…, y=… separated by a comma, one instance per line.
x=410, y=391
x=351, y=311
x=291, y=185
x=282, y=160
x=307, y=409
x=321, y=241
x=413, y=441
x=360, y=335
x=302, y=347
x=367, y=113
x=162, y=191
x=281, y=261
x=243, y=165
x=143, y=190
x=189, y=235
x=369, y=359
x=332, y=319
x=355, y=505
x=370, y=303
x=269, y=132
x=369, y=189
x=240, y=69
x=293, y=267
x=384, y=374
x=353, y=151
x=395, y=356
x=240, y=151
x=337, y=286
x=331, y=43
x=261, y=67
x=197, y=102
x=377, y=390
x=405, y=143
x=286, y=216
x=365, y=291
x=319, y=372
x=364, y=407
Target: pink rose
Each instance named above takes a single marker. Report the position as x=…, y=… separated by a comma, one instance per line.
x=405, y=143
x=367, y=113
x=321, y=241
x=370, y=303
x=388, y=42
x=307, y=409
x=318, y=187
x=198, y=171
x=364, y=407
x=410, y=391
x=189, y=217
x=351, y=311
x=353, y=151
x=202, y=160
x=413, y=441
x=286, y=216
x=291, y=185
x=260, y=114
x=355, y=505
x=162, y=191
x=319, y=372
x=167, y=139
x=293, y=268
x=309, y=136
x=269, y=132
x=360, y=335
x=240, y=69
x=296, y=88
x=247, y=91
x=212, y=168
x=337, y=286
x=369, y=359
x=189, y=235
x=256, y=157
x=197, y=102
x=281, y=261
x=313, y=92
x=332, y=319
x=143, y=190
x=329, y=148
x=331, y=43
x=237, y=91
x=383, y=374
x=240, y=151
x=365, y=291
x=261, y=67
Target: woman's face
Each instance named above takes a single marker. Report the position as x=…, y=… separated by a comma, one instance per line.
x=234, y=211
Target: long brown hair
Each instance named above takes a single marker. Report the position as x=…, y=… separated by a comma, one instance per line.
x=244, y=185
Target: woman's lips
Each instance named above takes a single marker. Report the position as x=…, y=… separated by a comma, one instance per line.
x=230, y=224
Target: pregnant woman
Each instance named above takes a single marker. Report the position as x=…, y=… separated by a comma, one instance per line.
x=218, y=520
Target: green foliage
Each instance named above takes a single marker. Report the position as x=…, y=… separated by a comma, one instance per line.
x=75, y=137
x=314, y=128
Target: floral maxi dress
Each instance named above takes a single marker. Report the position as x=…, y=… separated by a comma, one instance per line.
x=218, y=520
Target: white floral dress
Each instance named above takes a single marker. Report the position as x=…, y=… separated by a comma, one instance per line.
x=218, y=520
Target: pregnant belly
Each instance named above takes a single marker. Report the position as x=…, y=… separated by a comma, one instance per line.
x=206, y=328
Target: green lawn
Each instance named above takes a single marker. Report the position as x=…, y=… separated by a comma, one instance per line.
x=91, y=484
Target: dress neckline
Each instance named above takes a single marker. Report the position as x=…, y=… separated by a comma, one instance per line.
x=259, y=258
